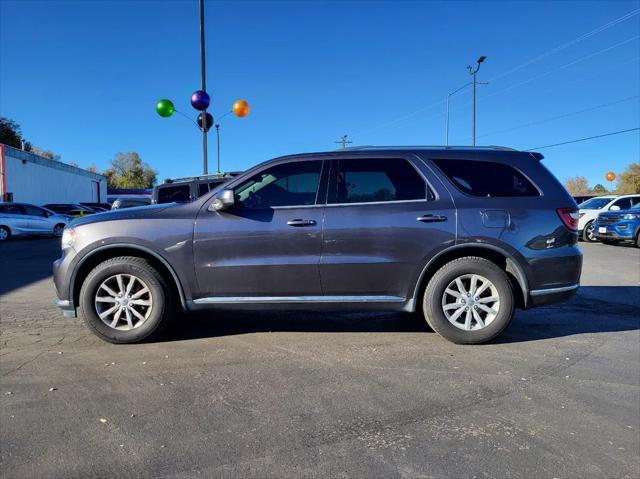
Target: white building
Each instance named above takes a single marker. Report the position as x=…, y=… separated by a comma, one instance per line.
x=29, y=178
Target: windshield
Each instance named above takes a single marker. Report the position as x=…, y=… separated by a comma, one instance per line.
x=594, y=203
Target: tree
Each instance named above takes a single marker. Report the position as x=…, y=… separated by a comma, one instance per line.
x=92, y=168
x=10, y=133
x=599, y=189
x=127, y=170
x=45, y=153
x=577, y=186
x=629, y=182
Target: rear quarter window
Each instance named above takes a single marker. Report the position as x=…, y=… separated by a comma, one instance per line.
x=486, y=178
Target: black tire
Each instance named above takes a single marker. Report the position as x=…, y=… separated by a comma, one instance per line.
x=160, y=293
x=5, y=233
x=587, y=233
x=434, y=293
x=58, y=229
x=638, y=240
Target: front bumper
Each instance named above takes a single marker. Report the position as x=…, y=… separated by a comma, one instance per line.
x=67, y=307
x=620, y=231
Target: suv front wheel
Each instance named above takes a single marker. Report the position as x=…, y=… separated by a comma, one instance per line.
x=125, y=300
x=469, y=301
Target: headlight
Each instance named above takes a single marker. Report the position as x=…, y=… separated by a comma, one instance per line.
x=69, y=236
x=631, y=216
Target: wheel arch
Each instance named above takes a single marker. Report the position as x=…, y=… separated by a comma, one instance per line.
x=104, y=253
x=492, y=253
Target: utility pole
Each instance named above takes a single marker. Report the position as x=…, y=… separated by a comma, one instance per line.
x=473, y=72
x=218, y=139
x=203, y=74
x=343, y=141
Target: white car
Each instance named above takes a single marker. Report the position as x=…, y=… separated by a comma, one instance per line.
x=590, y=209
x=21, y=219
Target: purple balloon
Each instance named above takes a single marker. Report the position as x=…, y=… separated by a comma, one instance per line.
x=200, y=100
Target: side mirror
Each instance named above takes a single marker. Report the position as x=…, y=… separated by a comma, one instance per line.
x=223, y=201
x=614, y=208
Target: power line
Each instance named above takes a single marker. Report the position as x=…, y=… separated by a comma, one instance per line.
x=583, y=139
x=570, y=43
x=539, y=122
x=518, y=67
x=561, y=67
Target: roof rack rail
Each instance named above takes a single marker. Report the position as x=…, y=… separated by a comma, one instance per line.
x=426, y=147
x=213, y=176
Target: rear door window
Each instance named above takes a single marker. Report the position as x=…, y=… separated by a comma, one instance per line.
x=373, y=180
x=486, y=178
x=11, y=209
x=169, y=194
x=34, y=211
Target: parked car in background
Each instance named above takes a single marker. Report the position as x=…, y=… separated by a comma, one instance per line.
x=460, y=236
x=583, y=198
x=612, y=227
x=590, y=209
x=70, y=209
x=181, y=190
x=98, y=206
x=121, y=203
x=21, y=219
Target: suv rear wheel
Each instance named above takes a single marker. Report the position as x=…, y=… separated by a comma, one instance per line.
x=469, y=301
x=5, y=233
x=125, y=300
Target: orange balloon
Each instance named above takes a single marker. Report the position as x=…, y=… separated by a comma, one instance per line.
x=610, y=176
x=240, y=108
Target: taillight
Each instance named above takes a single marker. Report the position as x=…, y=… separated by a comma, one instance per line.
x=569, y=217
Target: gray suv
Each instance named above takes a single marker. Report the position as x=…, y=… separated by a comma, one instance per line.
x=461, y=236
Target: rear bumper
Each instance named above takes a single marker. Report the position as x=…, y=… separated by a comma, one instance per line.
x=67, y=307
x=541, y=297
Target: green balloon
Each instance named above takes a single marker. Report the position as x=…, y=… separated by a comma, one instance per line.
x=165, y=108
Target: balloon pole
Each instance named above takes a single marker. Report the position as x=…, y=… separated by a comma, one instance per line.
x=218, y=139
x=205, y=167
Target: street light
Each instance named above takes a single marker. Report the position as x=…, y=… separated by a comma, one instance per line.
x=473, y=72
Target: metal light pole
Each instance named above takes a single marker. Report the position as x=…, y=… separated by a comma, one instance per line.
x=343, y=141
x=473, y=72
x=218, y=140
x=205, y=166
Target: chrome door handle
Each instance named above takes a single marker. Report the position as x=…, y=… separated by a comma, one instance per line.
x=432, y=218
x=299, y=222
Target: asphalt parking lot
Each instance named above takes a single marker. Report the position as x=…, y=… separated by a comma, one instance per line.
x=322, y=395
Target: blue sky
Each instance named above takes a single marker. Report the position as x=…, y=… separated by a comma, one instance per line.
x=82, y=77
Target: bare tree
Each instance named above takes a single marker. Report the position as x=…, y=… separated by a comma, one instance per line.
x=577, y=186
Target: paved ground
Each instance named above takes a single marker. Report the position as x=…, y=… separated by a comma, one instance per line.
x=322, y=395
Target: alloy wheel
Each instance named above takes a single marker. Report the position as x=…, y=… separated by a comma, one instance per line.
x=4, y=234
x=123, y=302
x=470, y=302
x=57, y=230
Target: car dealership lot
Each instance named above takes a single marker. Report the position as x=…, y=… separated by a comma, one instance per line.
x=315, y=394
